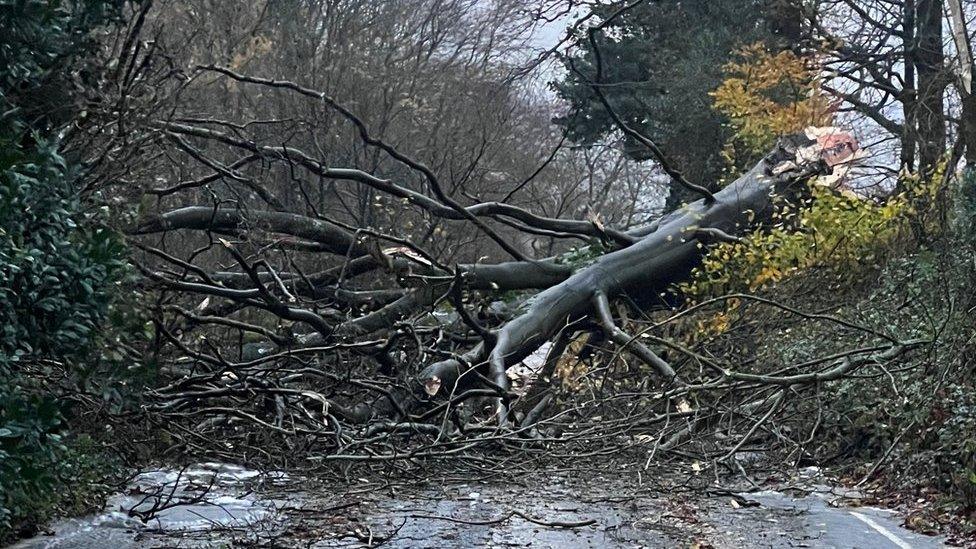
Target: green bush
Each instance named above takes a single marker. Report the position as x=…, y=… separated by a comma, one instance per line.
x=58, y=266
x=55, y=282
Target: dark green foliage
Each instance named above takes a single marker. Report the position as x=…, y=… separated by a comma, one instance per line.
x=58, y=268
x=41, y=44
x=924, y=409
x=53, y=274
x=662, y=59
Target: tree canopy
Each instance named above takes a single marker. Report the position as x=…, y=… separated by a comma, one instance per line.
x=661, y=62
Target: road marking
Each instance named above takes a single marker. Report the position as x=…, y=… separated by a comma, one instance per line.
x=902, y=544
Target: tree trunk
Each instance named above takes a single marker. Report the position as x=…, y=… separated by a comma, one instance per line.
x=909, y=96
x=644, y=271
x=967, y=129
x=932, y=79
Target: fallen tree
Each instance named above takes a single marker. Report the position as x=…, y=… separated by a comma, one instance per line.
x=282, y=313
x=359, y=342
x=642, y=266
x=661, y=256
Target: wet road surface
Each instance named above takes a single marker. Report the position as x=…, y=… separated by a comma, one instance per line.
x=243, y=508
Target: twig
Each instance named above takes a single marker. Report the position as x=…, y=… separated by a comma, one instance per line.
x=509, y=515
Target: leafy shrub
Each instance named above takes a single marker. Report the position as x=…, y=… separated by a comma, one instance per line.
x=832, y=230
x=58, y=267
x=55, y=287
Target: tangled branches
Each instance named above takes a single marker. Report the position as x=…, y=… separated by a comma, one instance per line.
x=288, y=329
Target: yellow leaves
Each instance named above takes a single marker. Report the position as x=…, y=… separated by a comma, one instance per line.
x=715, y=325
x=832, y=231
x=570, y=370
x=766, y=95
x=766, y=274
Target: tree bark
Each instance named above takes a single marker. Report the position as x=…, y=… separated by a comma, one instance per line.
x=645, y=270
x=964, y=56
x=932, y=80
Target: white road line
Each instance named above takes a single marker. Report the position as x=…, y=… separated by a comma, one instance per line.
x=902, y=544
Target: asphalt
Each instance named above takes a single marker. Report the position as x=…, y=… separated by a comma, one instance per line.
x=781, y=520
x=603, y=510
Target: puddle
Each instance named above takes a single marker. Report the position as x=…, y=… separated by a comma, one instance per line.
x=209, y=501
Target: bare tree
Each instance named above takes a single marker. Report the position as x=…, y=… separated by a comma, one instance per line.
x=889, y=62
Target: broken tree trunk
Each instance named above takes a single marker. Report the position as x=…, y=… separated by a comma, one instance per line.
x=663, y=255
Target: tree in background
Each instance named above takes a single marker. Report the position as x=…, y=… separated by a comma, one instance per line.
x=888, y=64
x=662, y=61
x=765, y=95
x=963, y=81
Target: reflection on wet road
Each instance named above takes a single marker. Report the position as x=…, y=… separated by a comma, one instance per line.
x=215, y=505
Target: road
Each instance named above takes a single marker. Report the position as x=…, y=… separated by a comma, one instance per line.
x=539, y=510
